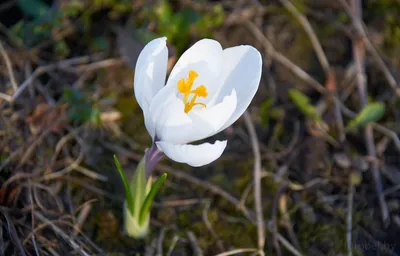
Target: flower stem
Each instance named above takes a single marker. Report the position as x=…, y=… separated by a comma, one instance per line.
x=153, y=155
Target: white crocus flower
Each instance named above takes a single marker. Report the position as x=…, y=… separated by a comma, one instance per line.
x=208, y=89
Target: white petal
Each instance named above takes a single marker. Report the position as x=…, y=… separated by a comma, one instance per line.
x=207, y=50
x=204, y=57
x=202, y=122
x=218, y=114
x=150, y=72
x=194, y=155
x=165, y=109
x=242, y=67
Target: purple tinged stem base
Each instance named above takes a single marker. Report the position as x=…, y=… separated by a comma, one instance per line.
x=152, y=155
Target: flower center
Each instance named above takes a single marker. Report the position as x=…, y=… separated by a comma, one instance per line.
x=185, y=87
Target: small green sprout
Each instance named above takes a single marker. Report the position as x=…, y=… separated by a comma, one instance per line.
x=139, y=196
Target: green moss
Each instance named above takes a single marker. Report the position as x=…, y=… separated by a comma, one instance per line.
x=329, y=236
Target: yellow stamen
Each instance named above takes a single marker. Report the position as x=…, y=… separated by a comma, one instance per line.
x=185, y=87
x=182, y=86
x=192, y=75
x=200, y=91
x=199, y=103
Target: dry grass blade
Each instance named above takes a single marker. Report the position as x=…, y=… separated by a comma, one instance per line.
x=237, y=251
x=9, y=67
x=274, y=225
x=63, y=65
x=160, y=242
x=257, y=182
x=175, y=239
x=391, y=134
x=207, y=185
x=288, y=245
x=6, y=97
x=349, y=220
x=285, y=61
x=359, y=55
x=83, y=214
x=310, y=32
x=209, y=226
x=67, y=106
x=195, y=245
x=329, y=73
x=63, y=235
x=33, y=219
x=360, y=27
x=12, y=232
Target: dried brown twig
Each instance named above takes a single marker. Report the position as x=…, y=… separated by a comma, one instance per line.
x=12, y=231
x=195, y=246
x=359, y=55
x=209, y=226
x=9, y=67
x=274, y=218
x=257, y=182
x=349, y=219
x=43, y=69
x=67, y=65
x=175, y=239
x=30, y=149
x=160, y=242
x=63, y=235
x=329, y=73
x=362, y=35
x=237, y=251
x=317, y=86
x=277, y=56
x=286, y=221
x=311, y=34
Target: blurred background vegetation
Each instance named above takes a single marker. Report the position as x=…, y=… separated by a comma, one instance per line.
x=329, y=163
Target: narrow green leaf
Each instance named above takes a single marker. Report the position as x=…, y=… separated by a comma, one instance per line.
x=138, y=186
x=303, y=103
x=150, y=197
x=372, y=112
x=127, y=189
x=264, y=111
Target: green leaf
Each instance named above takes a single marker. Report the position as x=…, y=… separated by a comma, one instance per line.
x=264, y=111
x=72, y=8
x=277, y=113
x=150, y=197
x=302, y=101
x=95, y=116
x=35, y=8
x=372, y=112
x=62, y=49
x=163, y=12
x=190, y=16
x=209, y=21
x=127, y=189
x=138, y=186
